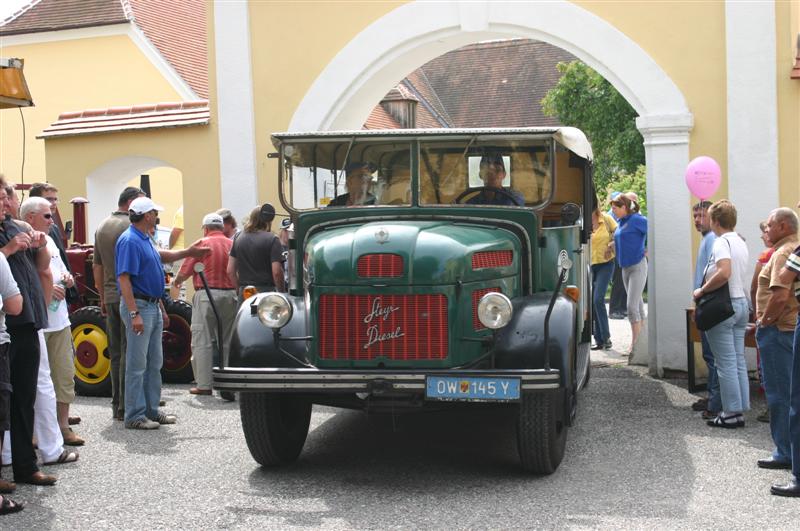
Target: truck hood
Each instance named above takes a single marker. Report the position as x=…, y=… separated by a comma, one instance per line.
x=410, y=252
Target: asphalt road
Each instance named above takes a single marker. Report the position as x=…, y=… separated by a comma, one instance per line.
x=637, y=458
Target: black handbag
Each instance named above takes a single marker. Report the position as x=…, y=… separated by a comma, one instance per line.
x=713, y=307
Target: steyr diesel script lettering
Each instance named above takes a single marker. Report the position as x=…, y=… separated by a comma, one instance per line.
x=374, y=335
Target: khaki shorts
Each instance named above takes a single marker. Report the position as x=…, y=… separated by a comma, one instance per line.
x=62, y=364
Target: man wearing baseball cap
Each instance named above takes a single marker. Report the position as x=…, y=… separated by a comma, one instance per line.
x=204, y=322
x=358, y=176
x=140, y=279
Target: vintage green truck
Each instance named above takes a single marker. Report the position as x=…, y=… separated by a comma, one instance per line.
x=427, y=267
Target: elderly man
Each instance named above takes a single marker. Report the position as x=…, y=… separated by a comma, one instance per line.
x=776, y=313
x=58, y=335
x=30, y=266
x=229, y=222
x=791, y=274
x=204, y=323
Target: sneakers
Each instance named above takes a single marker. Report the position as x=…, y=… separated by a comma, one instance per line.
x=142, y=423
x=163, y=418
x=700, y=405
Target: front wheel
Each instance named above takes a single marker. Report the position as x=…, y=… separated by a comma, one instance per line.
x=275, y=426
x=541, y=432
x=176, y=343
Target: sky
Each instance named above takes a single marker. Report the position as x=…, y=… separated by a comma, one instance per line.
x=9, y=7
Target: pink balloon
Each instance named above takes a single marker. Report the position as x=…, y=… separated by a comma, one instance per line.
x=703, y=177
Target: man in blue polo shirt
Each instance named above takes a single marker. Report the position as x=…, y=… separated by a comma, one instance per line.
x=141, y=283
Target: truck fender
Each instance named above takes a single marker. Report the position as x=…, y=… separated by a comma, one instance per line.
x=520, y=344
x=253, y=344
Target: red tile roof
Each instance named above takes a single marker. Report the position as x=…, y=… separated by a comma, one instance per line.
x=380, y=119
x=53, y=15
x=135, y=118
x=492, y=84
x=176, y=29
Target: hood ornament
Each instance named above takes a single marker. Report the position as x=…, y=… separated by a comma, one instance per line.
x=382, y=235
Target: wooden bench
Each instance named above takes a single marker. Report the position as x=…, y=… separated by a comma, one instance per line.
x=693, y=336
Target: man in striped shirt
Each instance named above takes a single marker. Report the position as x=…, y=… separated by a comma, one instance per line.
x=789, y=273
x=205, y=340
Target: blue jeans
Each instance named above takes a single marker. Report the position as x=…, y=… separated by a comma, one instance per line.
x=794, y=405
x=143, y=360
x=727, y=344
x=601, y=276
x=712, y=383
x=776, y=360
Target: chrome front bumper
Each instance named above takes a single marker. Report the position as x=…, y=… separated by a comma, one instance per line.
x=349, y=380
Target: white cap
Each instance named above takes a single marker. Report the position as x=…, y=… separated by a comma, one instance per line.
x=143, y=205
x=212, y=219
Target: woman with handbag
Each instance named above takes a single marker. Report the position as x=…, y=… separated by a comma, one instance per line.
x=603, y=227
x=728, y=267
x=629, y=245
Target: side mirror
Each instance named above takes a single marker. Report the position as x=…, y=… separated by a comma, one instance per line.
x=199, y=267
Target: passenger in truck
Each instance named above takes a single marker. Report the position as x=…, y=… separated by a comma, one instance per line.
x=493, y=172
x=358, y=176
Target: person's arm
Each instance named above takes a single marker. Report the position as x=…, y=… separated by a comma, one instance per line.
x=196, y=250
x=775, y=305
x=277, y=276
x=788, y=276
x=231, y=271
x=42, y=261
x=754, y=283
x=720, y=277
x=13, y=305
x=20, y=242
x=126, y=291
x=99, y=273
x=174, y=235
x=164, y=314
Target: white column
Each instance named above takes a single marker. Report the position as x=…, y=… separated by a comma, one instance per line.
x=752, y=115
x=669, y=277
x=235, y=112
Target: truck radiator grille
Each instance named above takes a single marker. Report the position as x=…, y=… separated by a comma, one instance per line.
x=380, y=265
x=397, y=327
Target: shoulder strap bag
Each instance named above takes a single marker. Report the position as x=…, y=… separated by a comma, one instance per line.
x=714, y=306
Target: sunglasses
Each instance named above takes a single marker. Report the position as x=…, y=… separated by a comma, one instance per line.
x=48, y=216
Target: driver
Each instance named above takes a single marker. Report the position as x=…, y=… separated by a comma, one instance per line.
x=493, y=171
x=358, y=176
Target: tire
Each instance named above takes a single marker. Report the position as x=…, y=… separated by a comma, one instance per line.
x=275, y=426
x=92, y=361
x=176, y=342
x=541, y=432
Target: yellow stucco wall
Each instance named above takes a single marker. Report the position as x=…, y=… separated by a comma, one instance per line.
x=788, y=16
x=288, y=56
x=181, y=148
x=73, y=75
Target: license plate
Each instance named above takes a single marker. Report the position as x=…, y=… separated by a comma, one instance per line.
x=471, y=389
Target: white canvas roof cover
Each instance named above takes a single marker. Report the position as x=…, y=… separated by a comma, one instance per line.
x=570, y=137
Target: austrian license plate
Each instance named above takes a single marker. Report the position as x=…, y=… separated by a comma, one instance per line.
x=472, y=389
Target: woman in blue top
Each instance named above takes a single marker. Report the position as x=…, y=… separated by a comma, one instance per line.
x=629, y=244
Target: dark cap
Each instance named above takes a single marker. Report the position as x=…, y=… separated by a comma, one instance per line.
x=495, y=159
x=129, y=194
x=353, y=166
x=267, y=212
x=285, y=222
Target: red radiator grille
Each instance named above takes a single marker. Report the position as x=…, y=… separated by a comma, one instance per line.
x=476, y=298
x=380, y=265
x=398, y=327
x=485, y=259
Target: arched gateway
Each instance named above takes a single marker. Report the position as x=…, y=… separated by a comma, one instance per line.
x=408, y=37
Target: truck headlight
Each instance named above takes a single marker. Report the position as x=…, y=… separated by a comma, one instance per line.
x=494, y=310
x=274, y=310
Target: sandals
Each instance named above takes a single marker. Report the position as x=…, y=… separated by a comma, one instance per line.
x=730, y=422
x=9, y=506
x=65, y=457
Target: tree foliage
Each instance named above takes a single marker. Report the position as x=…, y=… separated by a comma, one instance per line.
x=623, y=181
x=582, y=98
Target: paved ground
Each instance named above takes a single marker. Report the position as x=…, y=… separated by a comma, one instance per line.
x=638, y=458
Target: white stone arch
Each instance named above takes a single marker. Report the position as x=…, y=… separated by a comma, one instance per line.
x=104, y=184
x=413, y=34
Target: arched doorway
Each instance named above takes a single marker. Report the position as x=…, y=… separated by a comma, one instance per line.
x=364, y=70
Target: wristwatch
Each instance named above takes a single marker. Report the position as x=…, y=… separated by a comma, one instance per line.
x=133, y=313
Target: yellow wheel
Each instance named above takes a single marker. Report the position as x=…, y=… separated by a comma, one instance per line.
x=92, y=362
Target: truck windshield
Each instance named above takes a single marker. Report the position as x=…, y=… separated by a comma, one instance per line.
x=340, y=173
x=491, y=171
